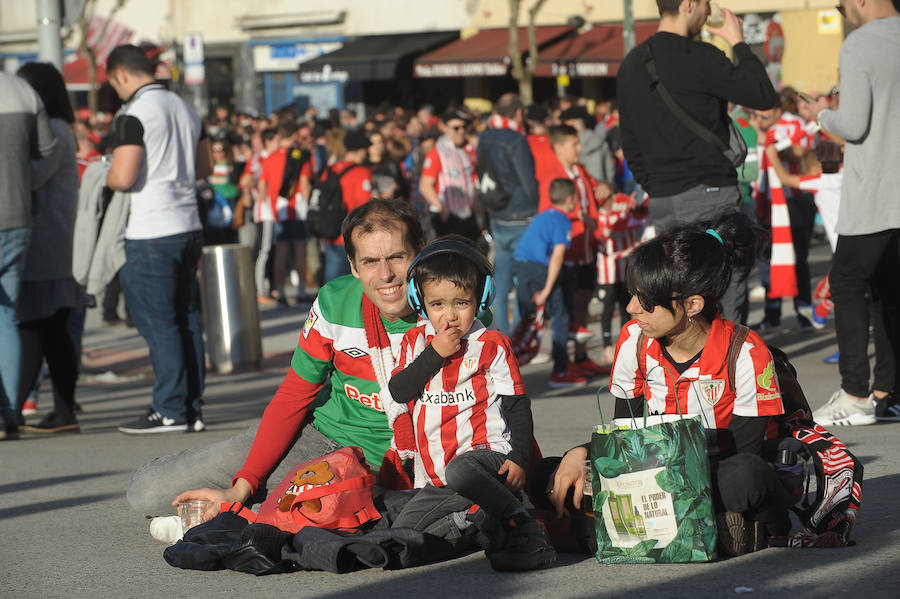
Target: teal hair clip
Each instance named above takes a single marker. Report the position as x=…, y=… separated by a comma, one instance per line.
x=716, y=235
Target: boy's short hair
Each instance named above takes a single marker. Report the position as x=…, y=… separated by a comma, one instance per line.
x=451, y=267
x=809, y=162
x=268, y=134
x=559, y=133
x=560, y=190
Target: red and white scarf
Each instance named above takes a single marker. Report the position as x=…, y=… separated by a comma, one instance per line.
x=403, y=444
x=501, y=122
x=782, y=271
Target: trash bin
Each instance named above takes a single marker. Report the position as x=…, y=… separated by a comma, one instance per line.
x=230, y=313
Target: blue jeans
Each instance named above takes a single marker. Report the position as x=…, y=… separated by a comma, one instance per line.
x=530, y=278
x=160, y=284
x=505, y=239
x=13, y=246
x=336, y=263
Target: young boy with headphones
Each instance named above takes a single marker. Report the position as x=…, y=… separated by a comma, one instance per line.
x=471, y=418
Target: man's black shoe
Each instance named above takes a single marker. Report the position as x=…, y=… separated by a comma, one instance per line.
x=151, y=423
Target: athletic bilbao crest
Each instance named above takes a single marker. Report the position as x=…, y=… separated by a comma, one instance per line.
x=711, y=390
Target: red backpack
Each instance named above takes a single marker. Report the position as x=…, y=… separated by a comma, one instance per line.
x=333, y=492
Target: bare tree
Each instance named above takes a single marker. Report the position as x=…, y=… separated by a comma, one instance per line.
x=82, y=25
x=523, y=72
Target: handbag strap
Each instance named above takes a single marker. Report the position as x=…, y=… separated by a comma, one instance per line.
x=679, y=112
x=734, y=350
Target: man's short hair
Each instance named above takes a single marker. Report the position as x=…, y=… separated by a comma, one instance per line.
x=130, y=58
x=383, y=215
x=286, y=127
x=507, y=105
x=559, y=133
x=560, y=190
x=668, y=7
x=268, y=134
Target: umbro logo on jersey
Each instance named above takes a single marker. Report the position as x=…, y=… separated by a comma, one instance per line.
x=354, y=352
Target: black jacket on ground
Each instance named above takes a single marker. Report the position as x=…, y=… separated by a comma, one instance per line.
x=664, y=155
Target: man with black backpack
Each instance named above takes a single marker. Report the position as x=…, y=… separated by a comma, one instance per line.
x=676, y=133
x=342, y=187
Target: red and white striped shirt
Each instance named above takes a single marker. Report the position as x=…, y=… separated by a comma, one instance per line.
x=618, y=233
x=460, y=411
x=703, y=388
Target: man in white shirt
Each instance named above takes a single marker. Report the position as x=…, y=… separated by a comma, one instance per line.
x=159, y=151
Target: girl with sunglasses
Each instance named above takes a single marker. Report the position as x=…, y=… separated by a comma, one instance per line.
x=671, y=358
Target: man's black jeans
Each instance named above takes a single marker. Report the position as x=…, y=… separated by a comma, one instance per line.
x=861, y=260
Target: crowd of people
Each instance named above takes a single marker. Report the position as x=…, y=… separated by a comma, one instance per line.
x=462, y=224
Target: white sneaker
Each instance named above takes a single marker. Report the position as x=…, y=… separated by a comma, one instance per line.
x=841, y=410
x=167, y=529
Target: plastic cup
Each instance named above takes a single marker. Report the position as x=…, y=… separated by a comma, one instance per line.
x=588, y=487
x=716, y=17
x=191, y=513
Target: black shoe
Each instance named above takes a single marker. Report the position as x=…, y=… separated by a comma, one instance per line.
x=888, y=408
x=151, y=423
x=10, y=432
x=766, y=325
x=738, y=536
x=54, y=423
x=527, y=547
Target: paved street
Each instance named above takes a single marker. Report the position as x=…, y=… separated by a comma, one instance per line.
x=68, y=531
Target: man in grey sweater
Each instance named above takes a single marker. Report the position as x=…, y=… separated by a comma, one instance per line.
x=25, y=131
x=868, y=247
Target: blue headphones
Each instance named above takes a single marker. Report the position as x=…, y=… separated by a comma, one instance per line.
x=462, y=249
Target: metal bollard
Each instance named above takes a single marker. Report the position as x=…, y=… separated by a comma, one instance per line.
x=230, y=313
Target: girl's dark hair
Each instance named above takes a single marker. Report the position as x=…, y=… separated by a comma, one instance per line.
x=49, y=84
x=688, y=260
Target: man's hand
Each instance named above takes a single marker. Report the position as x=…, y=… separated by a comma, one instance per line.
x=239, y=493
x=447, y=341
x=515, y=475
x=569, y=473
x=732, y=31
x=540, y=298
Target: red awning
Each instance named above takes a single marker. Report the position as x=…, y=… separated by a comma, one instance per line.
x=597, y=52
x=485, y=54
x=75, y=72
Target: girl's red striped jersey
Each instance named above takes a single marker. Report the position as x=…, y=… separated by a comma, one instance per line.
x=703, y=388
x=459, y=410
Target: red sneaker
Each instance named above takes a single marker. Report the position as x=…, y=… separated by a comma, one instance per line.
x=579, y=333
x=29, y=407
x=590, y=368
x=572, y=378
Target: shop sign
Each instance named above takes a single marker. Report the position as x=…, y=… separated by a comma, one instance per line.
x=462, y=69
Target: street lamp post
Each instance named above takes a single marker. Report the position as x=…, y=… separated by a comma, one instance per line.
x=628, y=25
x=49, y=21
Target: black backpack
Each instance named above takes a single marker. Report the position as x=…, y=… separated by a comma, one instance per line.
x=803, y=449
x=326, y=205
x=491, y=195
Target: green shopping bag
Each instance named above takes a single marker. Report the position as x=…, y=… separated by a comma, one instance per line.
x=652, y=493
